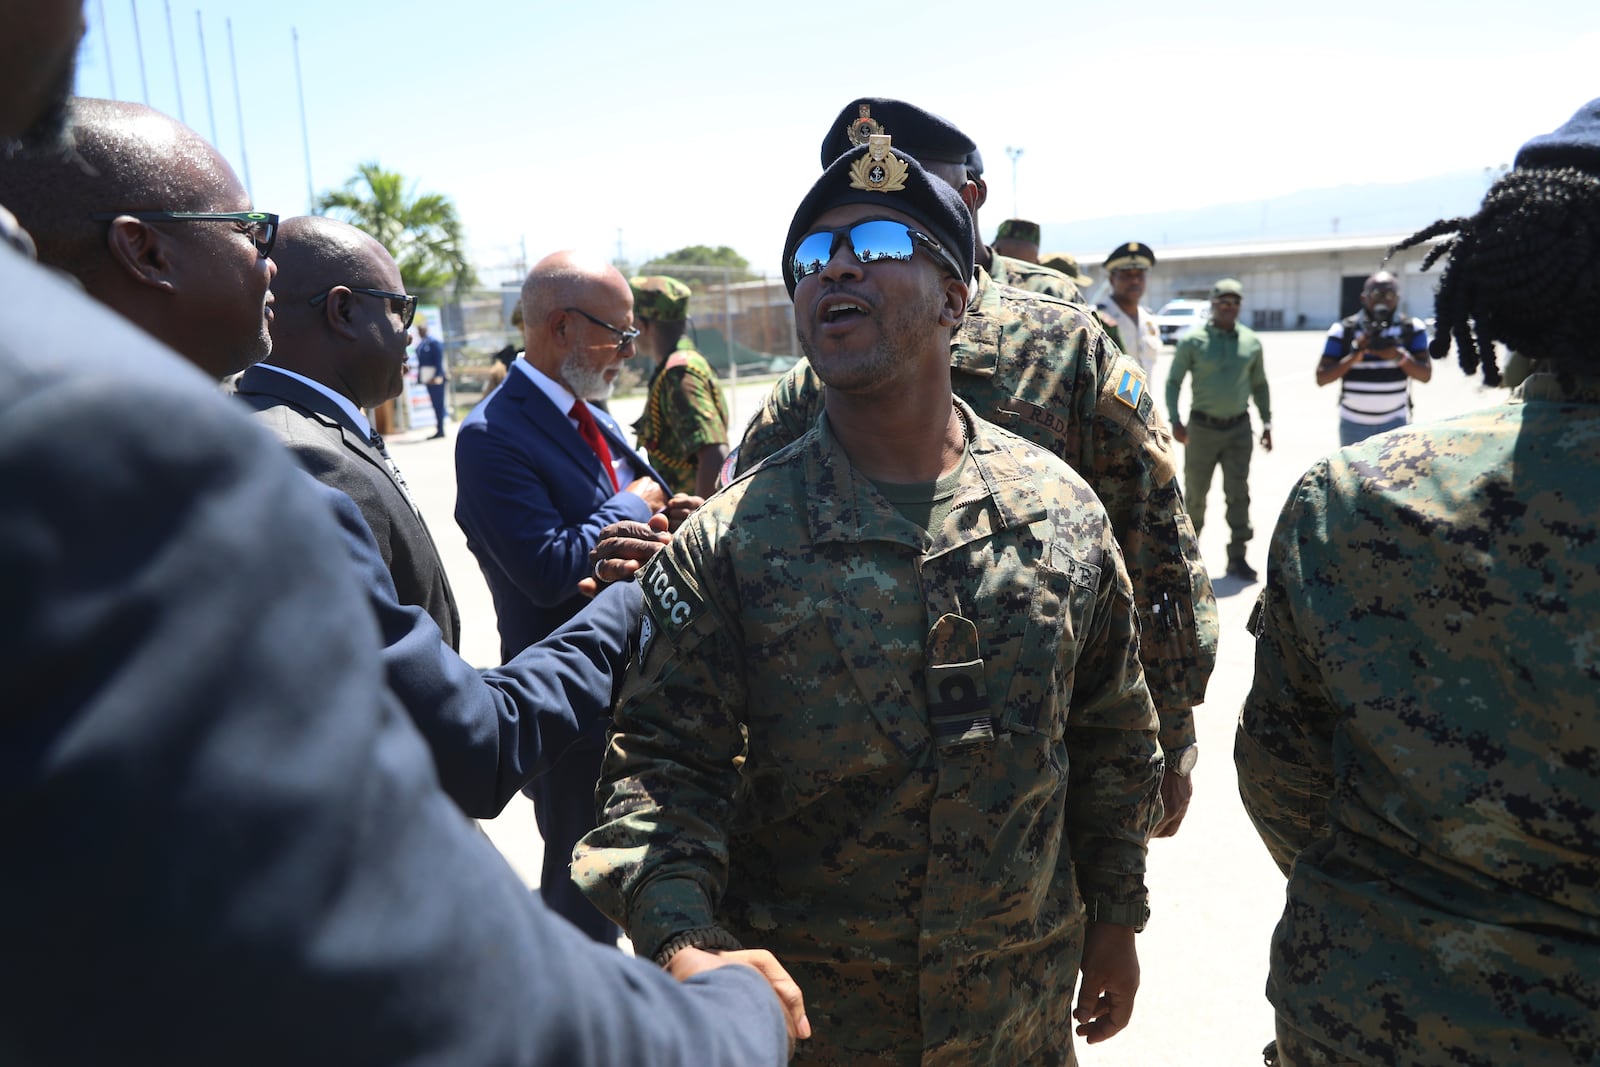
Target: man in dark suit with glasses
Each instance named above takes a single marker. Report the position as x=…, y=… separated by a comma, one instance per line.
x=339, y=348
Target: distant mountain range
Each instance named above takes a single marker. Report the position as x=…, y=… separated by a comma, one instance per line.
x=1342, y=209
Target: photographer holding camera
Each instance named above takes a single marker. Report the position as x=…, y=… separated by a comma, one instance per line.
x=1376, y=353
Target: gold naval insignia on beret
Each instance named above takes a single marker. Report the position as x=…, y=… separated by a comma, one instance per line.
x=879, y=171
x=863, y=127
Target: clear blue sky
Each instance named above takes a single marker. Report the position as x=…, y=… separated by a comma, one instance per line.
x=699, y=123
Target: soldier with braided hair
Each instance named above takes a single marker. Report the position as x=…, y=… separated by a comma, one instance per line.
x=1420, y=751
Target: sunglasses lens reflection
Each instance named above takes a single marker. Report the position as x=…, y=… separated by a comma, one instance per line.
x=881, y=239
x=869, y=242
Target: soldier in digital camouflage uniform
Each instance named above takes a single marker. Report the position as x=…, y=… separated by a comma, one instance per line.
x=685, y=422
x=886, y=716
x=1043, y=368
x=1421, y=748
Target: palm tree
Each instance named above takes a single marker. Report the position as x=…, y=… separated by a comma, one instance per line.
x=423, y=232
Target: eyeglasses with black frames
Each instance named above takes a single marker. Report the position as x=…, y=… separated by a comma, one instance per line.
x=399, y=303
x=262, y=226
x=624, y=337
x=870, y=241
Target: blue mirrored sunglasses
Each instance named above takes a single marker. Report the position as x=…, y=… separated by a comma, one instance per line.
x=870, y=241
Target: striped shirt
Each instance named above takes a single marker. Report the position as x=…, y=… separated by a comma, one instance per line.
x=1376, y=390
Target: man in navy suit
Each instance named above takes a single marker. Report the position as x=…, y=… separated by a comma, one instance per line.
x=224, y=740
x=539, y=472
x=339, y=347
x=431, y=372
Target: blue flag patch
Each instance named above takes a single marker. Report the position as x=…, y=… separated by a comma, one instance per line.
x=1130, y=389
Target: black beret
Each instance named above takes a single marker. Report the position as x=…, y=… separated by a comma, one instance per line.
x=1576, y=144
x=933, y=204
x=920, y=134
x=974, y=163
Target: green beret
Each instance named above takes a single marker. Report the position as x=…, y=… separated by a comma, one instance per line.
x=1018, y=230
x=660, y=298
x=1131, y=255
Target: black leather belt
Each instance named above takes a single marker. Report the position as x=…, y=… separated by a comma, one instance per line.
x=1200, y=418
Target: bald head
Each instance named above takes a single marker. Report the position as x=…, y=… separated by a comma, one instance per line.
x=199, y=286
x=569, y=345
x=314, y=253
x=351, y=341
x=124, y=157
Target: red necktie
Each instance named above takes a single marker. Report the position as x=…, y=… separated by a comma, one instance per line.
x=589, y=430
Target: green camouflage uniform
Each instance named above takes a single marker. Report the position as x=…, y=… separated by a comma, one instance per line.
x=1422, y=742
x=1043, y=369
x=925, y=886
x=685, y=412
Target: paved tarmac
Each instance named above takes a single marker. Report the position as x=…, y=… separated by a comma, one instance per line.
x=1215, y=894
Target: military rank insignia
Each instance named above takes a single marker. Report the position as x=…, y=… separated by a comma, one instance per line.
x=863, y=127
x=879, y=171
x=1131, y=389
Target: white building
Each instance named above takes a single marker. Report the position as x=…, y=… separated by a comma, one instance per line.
x=1289, y=285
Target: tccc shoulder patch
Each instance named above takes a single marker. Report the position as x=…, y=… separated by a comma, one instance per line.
x=671, y=601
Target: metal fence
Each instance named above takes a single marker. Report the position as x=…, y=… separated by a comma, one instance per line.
x=743, y=324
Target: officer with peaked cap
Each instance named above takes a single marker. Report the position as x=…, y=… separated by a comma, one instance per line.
x=1127, y=269
x=861, y=669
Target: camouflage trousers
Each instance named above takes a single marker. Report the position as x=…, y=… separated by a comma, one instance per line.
x=1296, y=1049
x=1230, y=448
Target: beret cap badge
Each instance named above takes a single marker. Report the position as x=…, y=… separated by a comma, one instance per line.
x=863, y=127
x=879, y=171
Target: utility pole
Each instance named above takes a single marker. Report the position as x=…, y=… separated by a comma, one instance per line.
x=205, y=73
x=138, y=42
x=305, y=134
x=105, y=38
x=238, y=103
x=177, y=81
x=1015, y=154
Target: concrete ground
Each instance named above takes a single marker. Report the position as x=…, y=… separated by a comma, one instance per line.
x=1214, y=893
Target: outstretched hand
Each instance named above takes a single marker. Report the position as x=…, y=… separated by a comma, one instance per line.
x=687, y=962
x=623, y=548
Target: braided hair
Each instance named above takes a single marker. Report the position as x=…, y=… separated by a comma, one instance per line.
x=1521, y=271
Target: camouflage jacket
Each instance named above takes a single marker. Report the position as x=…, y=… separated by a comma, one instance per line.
x=925, y=805
x=1422, y=741
x=684, y=413
x=1043, y=369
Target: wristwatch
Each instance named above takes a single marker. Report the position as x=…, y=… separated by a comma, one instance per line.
x=1181, y=761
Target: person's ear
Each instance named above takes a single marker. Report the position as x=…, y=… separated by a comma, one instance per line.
x=954, y=306
x=975, y=193
x=338, y=312
x=143, y=253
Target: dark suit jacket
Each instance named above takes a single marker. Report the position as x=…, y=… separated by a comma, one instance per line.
x=491, y=731
x=532, y=498
x=224, y=838
x=331, y=447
